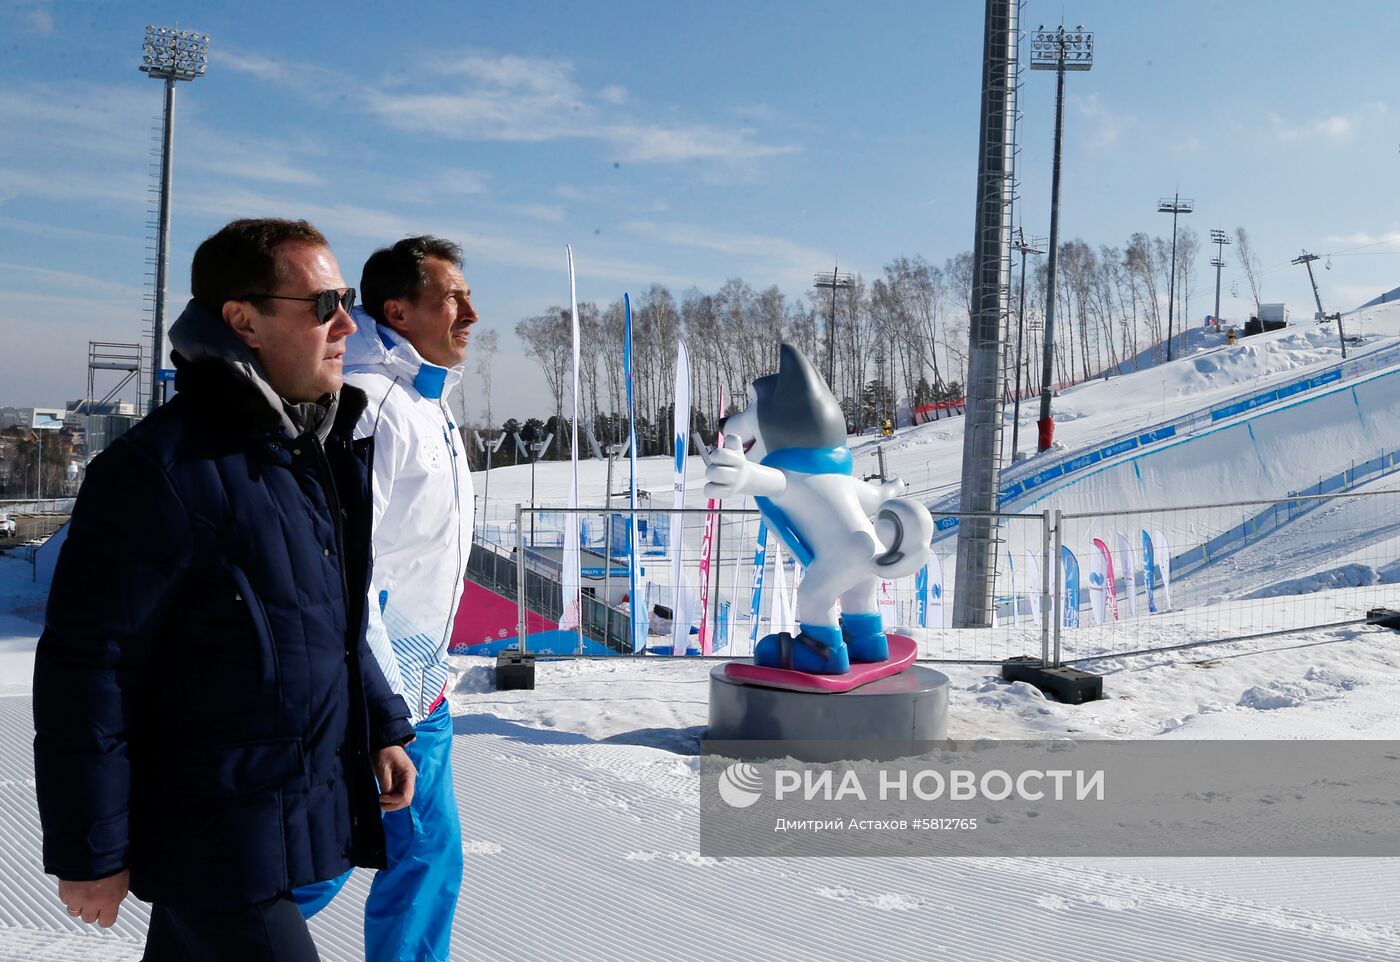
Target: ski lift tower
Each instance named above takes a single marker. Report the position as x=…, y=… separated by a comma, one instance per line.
x=1306, y=260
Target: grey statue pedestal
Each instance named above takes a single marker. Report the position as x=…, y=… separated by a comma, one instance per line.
x=911, y=706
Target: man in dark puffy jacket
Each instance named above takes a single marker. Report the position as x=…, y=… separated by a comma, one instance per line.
x=210, y=722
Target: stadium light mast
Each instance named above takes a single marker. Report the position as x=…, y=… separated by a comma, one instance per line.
x=169, y=55
x=1058, y=50
x=1218, y=238
x=1173, y=205
x=1021, y=246
x=836, y=281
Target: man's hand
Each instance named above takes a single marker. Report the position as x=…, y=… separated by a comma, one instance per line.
x=97, y=901
x=396, y=775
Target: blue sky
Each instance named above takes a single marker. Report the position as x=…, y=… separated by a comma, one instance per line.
x=672, y=143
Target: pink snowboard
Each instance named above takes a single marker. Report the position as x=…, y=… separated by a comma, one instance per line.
x=902, y=652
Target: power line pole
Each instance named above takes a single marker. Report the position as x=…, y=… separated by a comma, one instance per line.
x=1173, y=205
x=836, y=281
x=1058, y=51
x=1306, y=259
x=1218, y=238
x=1024, y=249
x=168, y=55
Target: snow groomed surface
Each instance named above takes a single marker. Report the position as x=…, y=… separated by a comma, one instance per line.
x=1038, y=480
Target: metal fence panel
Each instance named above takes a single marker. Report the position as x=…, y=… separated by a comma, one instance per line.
x=1187, y=576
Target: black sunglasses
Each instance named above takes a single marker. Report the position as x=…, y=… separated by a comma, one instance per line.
x=326, y=301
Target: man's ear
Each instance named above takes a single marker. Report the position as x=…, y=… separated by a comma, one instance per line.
x=394, y=315
x=244, y=320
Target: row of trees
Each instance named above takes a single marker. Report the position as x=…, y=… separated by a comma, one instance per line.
x=902, y=335
x=22, y=457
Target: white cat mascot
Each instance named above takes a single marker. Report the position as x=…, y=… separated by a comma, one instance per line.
x=788, y=450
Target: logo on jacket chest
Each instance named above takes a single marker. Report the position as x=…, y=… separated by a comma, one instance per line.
x=432, y=456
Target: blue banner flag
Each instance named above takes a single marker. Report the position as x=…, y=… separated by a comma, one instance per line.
x=1149, y=571
x=1071, y=594
x=756, y=604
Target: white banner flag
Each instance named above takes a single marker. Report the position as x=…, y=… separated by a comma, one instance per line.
x=1035, y=586
x=570, y=578
x=1015, y=598
x=781, y=617
x=1130, y=573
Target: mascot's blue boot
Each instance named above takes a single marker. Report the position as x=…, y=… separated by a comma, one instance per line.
x=817, y=650
x=865, y=638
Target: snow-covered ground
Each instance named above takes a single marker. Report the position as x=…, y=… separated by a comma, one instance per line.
x=929, y=457
x=580, y=798
x=1270, y=452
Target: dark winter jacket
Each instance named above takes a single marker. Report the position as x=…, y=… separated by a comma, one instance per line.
x=205, y=704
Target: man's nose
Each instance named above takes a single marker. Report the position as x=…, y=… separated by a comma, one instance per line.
x=342, y=324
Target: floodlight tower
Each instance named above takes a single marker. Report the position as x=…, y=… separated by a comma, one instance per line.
x=836, y=281
x=1059, y=51
x=1218, y=238
x=1023, y=248
x=974, y=602
x=1173, y=205
x=169, y=55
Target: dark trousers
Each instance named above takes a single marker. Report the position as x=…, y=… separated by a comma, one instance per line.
x=272, y=931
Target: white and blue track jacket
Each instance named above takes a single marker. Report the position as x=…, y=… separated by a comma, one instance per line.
x=422, y=509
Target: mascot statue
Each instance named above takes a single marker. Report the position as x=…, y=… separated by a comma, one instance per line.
x=787, y=449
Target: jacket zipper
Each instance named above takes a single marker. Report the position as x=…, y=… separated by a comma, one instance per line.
x=457, y=516
x=323, y=467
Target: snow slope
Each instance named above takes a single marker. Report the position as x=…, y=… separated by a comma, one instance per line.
x=579, y=809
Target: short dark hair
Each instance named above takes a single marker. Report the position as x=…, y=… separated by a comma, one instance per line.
x=241, y=259
x=396, y=273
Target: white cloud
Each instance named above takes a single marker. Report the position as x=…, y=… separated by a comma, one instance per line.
x=249, y=63
x=1106, y=126
x=1346, y=242
x=39, y=21
x=551, y=213
x=68, y=279
x=644, y=144
x=532, y=100
x=1335, y=127
x=759, y=254
x=431, y=188
x=83, y=117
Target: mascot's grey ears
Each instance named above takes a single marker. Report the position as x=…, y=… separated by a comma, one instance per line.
x=796, y=409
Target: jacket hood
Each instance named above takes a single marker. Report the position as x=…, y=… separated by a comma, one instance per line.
x=375, y=347
x=201, y=335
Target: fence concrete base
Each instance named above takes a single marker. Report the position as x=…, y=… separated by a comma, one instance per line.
x=911, y=706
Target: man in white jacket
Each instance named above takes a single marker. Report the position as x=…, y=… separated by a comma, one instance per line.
x=407, y=357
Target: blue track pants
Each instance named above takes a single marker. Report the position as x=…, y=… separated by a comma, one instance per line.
x=408, y=915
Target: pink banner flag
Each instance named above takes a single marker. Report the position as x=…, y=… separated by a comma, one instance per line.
x=1110, y=593
x=706, y=545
